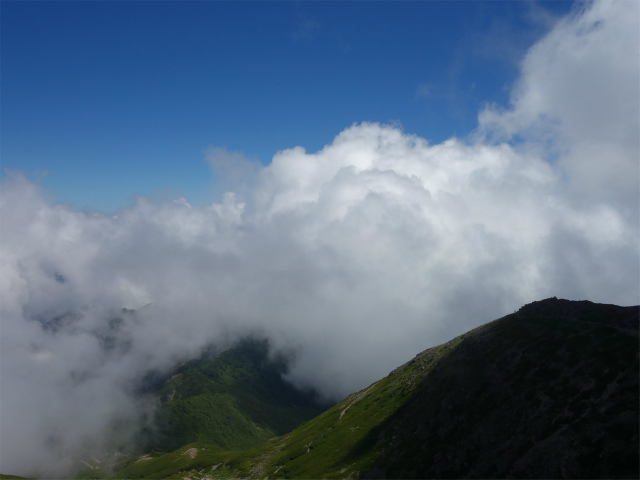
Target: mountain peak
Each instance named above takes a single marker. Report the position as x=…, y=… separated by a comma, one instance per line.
x=622, y=318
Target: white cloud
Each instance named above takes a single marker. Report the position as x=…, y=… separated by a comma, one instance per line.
x=358, y=256
x=578, y=92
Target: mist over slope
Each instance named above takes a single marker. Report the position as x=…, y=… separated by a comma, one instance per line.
x=234, y=399
x=550, y=391
x=350, y=257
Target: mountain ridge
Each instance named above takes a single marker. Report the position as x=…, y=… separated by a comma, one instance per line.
x=539, y=408
x=550, y=391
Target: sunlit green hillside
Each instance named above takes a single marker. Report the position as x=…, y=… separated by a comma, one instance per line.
x=234, y=399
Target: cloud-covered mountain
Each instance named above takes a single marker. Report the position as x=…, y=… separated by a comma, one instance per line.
x=352, y=257
x=550, y=391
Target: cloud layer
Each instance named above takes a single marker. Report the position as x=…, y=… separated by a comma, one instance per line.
x=356, y=257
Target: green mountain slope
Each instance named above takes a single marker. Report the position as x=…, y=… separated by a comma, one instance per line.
x=550, y=391
x=234, y=399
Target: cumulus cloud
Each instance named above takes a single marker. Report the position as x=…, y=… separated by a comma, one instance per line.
x=578, y=95
x=357, y=256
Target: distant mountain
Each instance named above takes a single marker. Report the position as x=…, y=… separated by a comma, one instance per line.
x=234, y=399
x=550, y=391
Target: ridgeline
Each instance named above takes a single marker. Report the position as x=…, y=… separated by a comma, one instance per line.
x=550, y=391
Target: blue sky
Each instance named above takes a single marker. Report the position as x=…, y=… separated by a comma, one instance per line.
x=105, y=100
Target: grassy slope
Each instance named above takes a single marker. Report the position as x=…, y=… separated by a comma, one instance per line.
x=551, y=391
x=235, y=399
x=322, y=447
